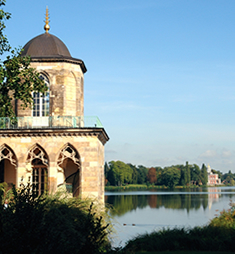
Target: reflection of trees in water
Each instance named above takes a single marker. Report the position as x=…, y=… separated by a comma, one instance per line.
x=125, y=203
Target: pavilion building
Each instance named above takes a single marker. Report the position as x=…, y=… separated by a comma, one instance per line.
x=53, y=143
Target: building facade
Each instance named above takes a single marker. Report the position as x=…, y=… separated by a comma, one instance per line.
x=53, y=143
x=213, y=179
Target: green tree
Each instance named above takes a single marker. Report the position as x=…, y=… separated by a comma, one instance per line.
x=121, y=172
x=228, y=178
x=17, y=79
x=195, y=173
x=204, y=175
x=171, y=176
x=134, y=174
x=142, y=174
x=187, y=176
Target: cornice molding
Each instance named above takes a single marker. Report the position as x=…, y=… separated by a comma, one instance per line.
x=100, y=133
x=53, y=59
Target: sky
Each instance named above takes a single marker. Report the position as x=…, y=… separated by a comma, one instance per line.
x=161, y=73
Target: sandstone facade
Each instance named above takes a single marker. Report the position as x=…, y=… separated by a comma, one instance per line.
x=51, y=144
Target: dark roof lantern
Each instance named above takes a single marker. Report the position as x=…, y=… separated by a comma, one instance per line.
x=49, y=48
x=45, y=45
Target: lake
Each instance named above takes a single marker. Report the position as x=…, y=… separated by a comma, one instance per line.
x=138, y=212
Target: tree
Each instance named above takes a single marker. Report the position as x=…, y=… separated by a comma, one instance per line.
x=204, y=174
x=134, y=174
x=119, y=173
x=187, y=174
x=17, y=79
x=171, y=176
x=142, y=174
x=152, y=175
x=195, y=174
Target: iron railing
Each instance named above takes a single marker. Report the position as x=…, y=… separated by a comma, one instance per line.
x=50, y=122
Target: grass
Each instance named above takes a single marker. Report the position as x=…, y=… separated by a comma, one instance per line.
x=142, y=187
x=133, y=187
x=208, y=239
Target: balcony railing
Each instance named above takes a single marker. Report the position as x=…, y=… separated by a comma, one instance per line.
x=50, y=122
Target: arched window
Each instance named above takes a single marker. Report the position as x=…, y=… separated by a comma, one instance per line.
x=69, y=162
x=39, y=177
x=41, y=101
x=8, y=163
x=39, y=162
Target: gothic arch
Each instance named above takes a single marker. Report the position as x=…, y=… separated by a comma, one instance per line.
x=38, y=160
x=68, y=151
x=8, y=165
x=7, y=153
x=69, y=166
x=37, y=152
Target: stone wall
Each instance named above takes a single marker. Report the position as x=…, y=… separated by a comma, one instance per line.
x=89, y=144
x=66, y=88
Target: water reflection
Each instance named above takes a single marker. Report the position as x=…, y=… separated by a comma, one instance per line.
x=126, y=203
x=144, y=211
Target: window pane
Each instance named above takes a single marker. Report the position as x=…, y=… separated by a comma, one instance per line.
x=41, y=101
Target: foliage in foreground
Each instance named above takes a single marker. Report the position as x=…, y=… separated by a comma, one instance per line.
x=50, y=224
x=218, y=235
x=206, y=238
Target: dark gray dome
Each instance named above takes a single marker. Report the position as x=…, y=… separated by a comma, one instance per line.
x=45, y=45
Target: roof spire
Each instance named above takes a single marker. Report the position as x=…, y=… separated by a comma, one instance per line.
x=47, y=27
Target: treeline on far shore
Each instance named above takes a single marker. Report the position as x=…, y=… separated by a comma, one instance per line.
x=118, y=173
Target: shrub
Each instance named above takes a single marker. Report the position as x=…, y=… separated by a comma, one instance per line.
x=50, y=224
x=226, y=218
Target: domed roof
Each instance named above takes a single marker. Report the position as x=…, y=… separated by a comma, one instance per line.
x=45, y=45
x=49, y=48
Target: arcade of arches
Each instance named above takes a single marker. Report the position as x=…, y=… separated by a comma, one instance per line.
x=38, y=163
x=56, y=158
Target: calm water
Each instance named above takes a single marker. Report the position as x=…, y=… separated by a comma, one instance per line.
x=144, y=211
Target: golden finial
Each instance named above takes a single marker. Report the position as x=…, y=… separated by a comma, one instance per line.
x=47, y=27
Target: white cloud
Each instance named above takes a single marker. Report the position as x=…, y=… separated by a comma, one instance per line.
x=208, y=154
x=226, y=154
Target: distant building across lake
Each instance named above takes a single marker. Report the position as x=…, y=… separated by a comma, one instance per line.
x=213, y=179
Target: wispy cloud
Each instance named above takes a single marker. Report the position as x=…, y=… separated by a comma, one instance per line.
x=226, y=154
x=208, y=154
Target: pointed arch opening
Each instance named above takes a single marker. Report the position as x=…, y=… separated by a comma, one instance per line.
x=69, y=164
x=39, y=161
x=8, y=165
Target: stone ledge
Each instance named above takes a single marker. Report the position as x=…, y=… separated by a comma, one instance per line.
x=100, y=133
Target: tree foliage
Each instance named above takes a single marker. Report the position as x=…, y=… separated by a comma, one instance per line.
x=171, y=176
x=204, y=174
x=118, y=173
x=17, y=79
x=152, y=175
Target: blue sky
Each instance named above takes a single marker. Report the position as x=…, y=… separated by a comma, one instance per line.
x=161, y=73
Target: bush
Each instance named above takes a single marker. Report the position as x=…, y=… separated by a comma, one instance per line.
x=50, y=224
x=218, y=235
x=225, y=219
x=205, y=238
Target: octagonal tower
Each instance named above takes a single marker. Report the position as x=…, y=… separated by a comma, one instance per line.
x=53, y=144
